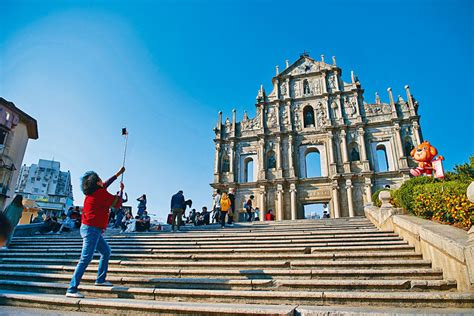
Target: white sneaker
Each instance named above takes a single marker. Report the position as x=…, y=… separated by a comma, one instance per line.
x=74, y=295
x=106, y=283
x=4, y=248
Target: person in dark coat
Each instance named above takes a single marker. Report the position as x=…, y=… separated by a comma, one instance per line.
x=177, y=209
x=231, y=213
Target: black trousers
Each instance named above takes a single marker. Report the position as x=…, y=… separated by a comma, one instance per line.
x=222, y=218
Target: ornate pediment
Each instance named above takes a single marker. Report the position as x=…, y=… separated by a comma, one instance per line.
x=304, y=65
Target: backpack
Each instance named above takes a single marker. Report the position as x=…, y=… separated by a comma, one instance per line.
x=225, y=203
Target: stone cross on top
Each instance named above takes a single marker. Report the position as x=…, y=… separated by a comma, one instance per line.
x=304, y=53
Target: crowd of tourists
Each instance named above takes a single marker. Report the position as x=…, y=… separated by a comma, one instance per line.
x=223, y=212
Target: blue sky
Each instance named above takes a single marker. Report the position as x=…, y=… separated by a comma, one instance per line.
x=85, y=69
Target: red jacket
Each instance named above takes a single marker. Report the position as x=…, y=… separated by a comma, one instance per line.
x=96, y=208
x=269, y=217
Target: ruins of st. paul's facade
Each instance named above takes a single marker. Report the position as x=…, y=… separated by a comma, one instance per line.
x=314, y=120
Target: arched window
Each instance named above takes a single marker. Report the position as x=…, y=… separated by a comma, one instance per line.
x=248, y=171
x=354, y=152
x=308, y=114
x=306, y=89
x=408, y=146
x=313, y=163
x=271, y=160
x=225, y=166
x=382, y=160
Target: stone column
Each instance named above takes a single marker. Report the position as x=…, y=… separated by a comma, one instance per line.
x=219, y=121
x=368, y=190
x=294, y=214
x=416, y=132
x=332, y=162
x=279, y=213
x=278, y=157
x=345, y=156
x=261, y=160
x=234, y=121
x=411, y=105
x=231, y=162
x=325, y=84
x=275, y=85
x=402, y=162
x=363, y=150
x=262, y=116
x=392, y=103
x=288, y=111
x=350, y=202
x=290, y=157
x=216, y=163
x=336, y=80
x=263, y=201
x=335, y=198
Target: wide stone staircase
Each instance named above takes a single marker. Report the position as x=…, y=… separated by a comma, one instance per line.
x=278, y=268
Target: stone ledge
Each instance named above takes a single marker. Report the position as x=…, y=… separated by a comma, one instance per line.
x=450, y=240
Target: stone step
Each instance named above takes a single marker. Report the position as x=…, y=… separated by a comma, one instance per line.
x=139, y=307
x=221, y=241
x=137, y=249
x=145, y=260
x=138, y=246
x=117, y=254
x=184, y=236
x=242, y=284
x=136, y=277
x=367, y=298
x=289, y=264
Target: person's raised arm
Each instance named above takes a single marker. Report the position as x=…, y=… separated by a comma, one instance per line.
x=125, y=200
x=114, y=177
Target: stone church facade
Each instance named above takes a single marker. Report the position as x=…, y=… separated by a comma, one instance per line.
x=360, y=147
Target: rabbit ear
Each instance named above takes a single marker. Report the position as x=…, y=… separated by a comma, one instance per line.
x=433, y=151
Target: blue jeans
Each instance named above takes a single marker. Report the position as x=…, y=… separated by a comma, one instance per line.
x=92, y=240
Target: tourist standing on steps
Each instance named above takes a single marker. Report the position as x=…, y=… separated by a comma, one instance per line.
x=13, y=213
x=225, y=207
x=231, y=213
x=217, y=206
x=141, y=204
x=248, y=208
x=177, y=208
x=94, y=222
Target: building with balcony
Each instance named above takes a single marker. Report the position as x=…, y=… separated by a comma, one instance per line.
x=16, y=128
x=47, y=185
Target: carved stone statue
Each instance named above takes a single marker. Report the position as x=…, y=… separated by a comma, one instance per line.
x=349, y=107
x=355, y=155
x=321, y=115
x=225, y=163
x=283, y=88
x=309, y=117
x=271, y=163
x=335, y=111
x=306, y=88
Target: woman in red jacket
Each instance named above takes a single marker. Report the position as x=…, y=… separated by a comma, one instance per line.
x=95, y=217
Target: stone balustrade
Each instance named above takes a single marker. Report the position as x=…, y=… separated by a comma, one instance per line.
x=449, y=248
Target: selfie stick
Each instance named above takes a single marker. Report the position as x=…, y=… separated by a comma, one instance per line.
x=124, y=133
